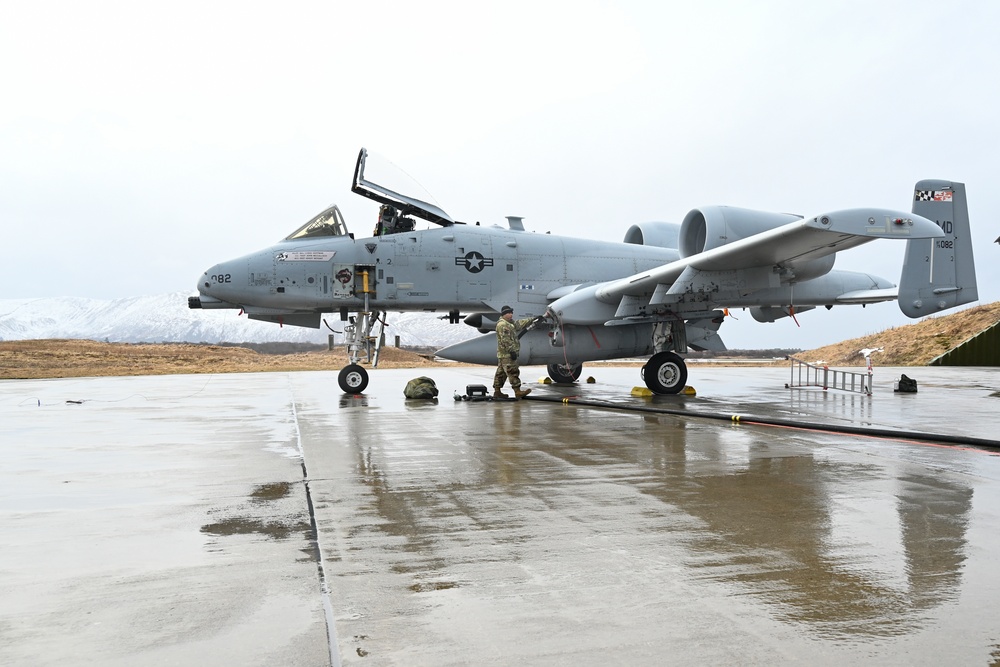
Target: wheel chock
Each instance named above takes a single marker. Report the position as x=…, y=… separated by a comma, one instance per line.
x=645, y=392
x=591, y=380
x=545, y=380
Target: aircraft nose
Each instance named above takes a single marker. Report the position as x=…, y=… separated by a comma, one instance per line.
x=219, y=281
x=216, y=288
x=206, y=280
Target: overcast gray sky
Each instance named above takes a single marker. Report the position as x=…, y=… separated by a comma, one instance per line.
x=141, y=143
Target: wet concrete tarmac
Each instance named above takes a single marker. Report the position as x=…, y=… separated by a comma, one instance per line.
x=269, y=519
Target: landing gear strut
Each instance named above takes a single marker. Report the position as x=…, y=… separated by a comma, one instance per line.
x=364, y=337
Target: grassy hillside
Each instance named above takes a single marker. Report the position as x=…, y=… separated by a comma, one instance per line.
x=912, y=344
x=87, y=358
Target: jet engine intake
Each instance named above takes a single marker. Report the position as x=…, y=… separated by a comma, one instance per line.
x=656, y=234
x=713, y=226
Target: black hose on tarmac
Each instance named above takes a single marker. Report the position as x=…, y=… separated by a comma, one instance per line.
x=769, y=421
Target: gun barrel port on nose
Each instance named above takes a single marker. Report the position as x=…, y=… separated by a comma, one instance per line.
x=207, y=302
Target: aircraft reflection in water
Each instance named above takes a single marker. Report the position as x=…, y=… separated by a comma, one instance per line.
x=662, y=291
x=769, y=528
x=774, y=521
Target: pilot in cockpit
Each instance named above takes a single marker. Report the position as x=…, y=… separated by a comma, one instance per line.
x=390, y=222
x=386, y=221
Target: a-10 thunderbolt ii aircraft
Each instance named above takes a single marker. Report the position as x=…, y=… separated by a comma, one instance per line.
x=661, y=291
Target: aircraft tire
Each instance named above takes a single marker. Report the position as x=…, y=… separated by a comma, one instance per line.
x=353, y=379
x=563, y=374
x=665, y=373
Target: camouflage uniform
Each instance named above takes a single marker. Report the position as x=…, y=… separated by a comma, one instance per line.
x=509, y=346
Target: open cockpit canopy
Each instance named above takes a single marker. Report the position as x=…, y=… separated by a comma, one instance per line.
x=328, y=223
x=391, y=197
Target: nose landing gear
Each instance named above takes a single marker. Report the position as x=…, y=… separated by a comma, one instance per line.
x=364, y=336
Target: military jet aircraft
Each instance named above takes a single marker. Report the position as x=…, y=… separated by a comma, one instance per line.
x=660, y=292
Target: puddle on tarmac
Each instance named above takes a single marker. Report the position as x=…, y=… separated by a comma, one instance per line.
x=263, y=516
x=268, y=492
x=246, y=526
x=427, y=586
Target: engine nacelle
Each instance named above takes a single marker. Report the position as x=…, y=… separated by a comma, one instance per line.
x=713, y=226
x=656, y=234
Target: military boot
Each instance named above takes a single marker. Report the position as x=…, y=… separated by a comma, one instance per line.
x=499, y=394
x=521, y=393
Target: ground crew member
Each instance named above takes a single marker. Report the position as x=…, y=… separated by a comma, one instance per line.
x=508, y=348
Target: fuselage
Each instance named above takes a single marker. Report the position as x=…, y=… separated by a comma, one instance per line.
x=464, y=268
x=461, y=267
x=472, y=269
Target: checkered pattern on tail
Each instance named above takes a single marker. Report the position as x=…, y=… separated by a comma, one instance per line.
x=932, y=195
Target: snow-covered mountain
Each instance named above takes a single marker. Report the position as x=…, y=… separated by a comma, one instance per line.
x=166, y=318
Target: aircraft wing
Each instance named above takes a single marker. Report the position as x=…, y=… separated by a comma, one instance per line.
x=383, y=195
x=749, y=262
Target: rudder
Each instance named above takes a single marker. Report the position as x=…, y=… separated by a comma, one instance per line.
x=939, y=273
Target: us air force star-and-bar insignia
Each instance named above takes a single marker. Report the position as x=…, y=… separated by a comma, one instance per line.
x=474, y=262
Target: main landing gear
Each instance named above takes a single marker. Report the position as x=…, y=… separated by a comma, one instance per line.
x=665, y=373
x=564, y=373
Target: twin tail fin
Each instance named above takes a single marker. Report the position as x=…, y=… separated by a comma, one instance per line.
x=939, y=273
